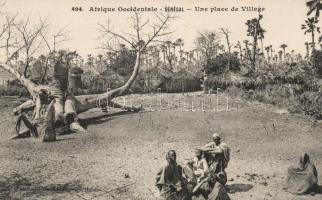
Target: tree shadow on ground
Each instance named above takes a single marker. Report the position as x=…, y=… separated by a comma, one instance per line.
x=317, y=190
x=64, y=139
x=238, y=187
x=18, y=187
x=85, y=122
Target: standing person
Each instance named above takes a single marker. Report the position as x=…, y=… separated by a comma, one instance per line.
x=218, y=157
x=170, y=180
x=211, y=186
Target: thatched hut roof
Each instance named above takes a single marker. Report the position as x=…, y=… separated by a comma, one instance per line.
x=159, y=72
x=183, y=73
x=231, y=78
x=76, y=70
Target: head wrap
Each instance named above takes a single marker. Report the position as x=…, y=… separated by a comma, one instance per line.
x=216, y=136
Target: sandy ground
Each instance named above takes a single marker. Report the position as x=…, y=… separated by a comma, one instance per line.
x=121, y=153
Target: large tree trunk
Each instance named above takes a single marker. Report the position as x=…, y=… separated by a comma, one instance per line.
x=254, y=51
x=65, y=107
x=29, y=85
x=85, y=102
x=47, y=131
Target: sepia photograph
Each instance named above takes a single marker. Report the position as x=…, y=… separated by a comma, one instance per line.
x=160, y=100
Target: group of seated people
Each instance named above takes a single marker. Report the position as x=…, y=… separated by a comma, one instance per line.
x=204, y=177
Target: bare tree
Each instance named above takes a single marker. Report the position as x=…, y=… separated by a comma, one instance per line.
x=239, y=47
x=66, y=106
x=59, y=37
x=226, y=33
x=7, y=36
x=30, y=37
x=207, y=43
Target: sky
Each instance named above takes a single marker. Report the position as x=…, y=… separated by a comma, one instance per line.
x=282, y=19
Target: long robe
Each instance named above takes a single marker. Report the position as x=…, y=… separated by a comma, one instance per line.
x=207, y=189
x=172, y=184
x=218, y=157
x=302, y=177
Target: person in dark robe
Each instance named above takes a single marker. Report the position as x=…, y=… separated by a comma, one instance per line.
x=303, y=177
x=171, y=180
x=210, y=188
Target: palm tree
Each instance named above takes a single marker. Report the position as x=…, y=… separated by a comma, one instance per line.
x=164, y=51
x=271, y=47
x=310, y=27
x=191, y=54
x=287, y=57
x=307, y=45
x=283, y=46
x=255, y=30
x=180, y=43
x=168, y=44
x=280, y=53
x=174, y=45
x=261, y=37
x=90, y=60
x=292, y=55
x=181, y=52
x=320, y=41
x=99, y=56
x=187, y=55
x=314, y=5
x=238, y=45
x=247, y=51
x=268, y=48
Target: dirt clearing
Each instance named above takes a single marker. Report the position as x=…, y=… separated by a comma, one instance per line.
x=121, y=153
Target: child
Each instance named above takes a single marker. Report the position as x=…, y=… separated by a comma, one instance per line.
x=200, y=166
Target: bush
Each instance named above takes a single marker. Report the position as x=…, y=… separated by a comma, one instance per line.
x=317, y=60
x=13, y=91
x=279, y=95
x=219, y=64
x=309, y=103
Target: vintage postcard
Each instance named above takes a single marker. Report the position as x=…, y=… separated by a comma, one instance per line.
x=160, y=99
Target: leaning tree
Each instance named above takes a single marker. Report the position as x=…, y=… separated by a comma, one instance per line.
x=314, y=6
x=25, y=38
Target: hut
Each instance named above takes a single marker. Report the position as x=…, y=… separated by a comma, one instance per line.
x=155, y=78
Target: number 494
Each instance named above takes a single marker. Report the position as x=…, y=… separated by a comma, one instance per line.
x=77, y=9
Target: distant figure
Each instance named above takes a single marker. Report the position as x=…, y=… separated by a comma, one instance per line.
x=303, y=177
x=218, y=157
x=170, y=180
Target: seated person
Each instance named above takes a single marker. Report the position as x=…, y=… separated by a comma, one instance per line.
x=43, y=119
x=199, y=165
x=33, y=123
x=171, y=181
x=303, y=177
x=209, y=184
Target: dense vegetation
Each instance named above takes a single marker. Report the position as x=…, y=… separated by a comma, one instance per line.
x=275, y=75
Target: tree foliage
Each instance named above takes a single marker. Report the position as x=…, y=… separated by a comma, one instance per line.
x=255, y=30
x=310, y=27
x=218, y=64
